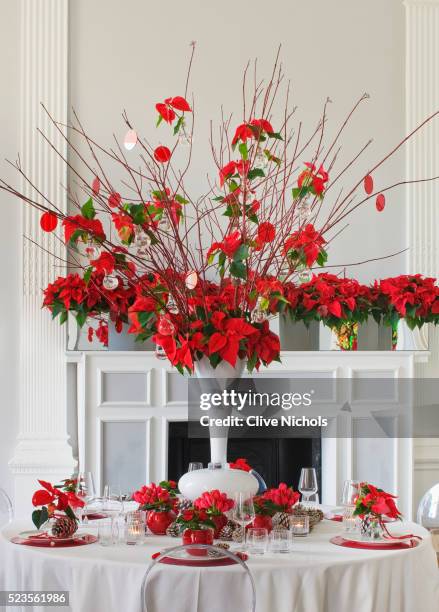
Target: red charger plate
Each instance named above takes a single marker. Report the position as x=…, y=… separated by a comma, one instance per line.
x=48, y=542
x=390, y=545
x=196, y=563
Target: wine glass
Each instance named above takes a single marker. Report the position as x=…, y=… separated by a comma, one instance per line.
x=243, y=512
x=308, y=483
x=85, y=490
x=195, y=465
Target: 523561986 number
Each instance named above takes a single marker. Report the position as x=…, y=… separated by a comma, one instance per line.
x=32, y=598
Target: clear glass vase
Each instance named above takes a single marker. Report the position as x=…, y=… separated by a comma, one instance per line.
x=371, y=528
x=347, y=336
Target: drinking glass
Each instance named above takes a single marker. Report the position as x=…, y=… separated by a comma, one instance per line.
x=243, y=511
x=85, y=490
x=257, y=540
x=195, y=465
x=135, y=527
x=308, y=483
x=351, y=490
x=108, y=532
x=281, y=541
x=112, y=503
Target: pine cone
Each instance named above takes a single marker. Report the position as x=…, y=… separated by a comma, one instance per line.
x=184, y=504
x=281, y=520
x=226, y=533
x=174, y=530
x=223, y=545
x=238, y=534
x=64, y=527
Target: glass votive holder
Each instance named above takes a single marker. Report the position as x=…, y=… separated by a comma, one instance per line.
x=135, y=528
x=299, y=525
x=350, y=522
x=281, y=541
x=257, y=540
x=108, y=532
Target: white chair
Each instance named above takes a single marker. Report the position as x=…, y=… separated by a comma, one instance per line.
x=208, y=547
x=6, y=508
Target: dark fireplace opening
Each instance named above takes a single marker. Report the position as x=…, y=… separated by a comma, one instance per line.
x=276, y=459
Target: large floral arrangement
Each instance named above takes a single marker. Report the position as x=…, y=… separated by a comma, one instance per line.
x=201, y=275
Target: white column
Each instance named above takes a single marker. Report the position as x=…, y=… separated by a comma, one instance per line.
x=422, y=161
x=42, y=449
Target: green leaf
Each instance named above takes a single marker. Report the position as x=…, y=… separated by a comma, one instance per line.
x=63, y=317
x=39, y=517
x=144, y=318
x=159, y=120
x=178, y=125
x=87, y=275
x=181, y=200
x=254, y=172
x=274, y=135
x=57, y=308
x=322, y=258
x=243, y=150
x=88, y=210
x=137, y=212
x=81, y=318
x=241, y=253
x=238, y=269
x=251, y=362
x=233, y=185
x=253, y=218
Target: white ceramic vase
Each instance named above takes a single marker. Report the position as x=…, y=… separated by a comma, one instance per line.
x=218, y=475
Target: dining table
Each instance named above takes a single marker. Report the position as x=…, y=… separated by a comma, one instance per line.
x=315, y=576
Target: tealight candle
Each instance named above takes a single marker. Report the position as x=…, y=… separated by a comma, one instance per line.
x=299, y=525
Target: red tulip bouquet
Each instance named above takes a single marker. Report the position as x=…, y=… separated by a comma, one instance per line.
x=202, y=274
x=215, y=504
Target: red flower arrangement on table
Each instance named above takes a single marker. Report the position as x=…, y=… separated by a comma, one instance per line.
x=371, y=506
x=203, y=276
x=215, y=504
x=57, y=506
x=198, y=528
x=159, y=504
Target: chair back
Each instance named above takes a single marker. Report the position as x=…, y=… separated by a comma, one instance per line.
x=209, y=548
x=6, y=508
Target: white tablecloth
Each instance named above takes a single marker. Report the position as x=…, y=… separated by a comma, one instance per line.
x=316, y=577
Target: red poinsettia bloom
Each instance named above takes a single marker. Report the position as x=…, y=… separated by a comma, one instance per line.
x=372, y=500
x=266, y=232
x=227, y=340
x=226, y=172
x=284, y=497
x=263, y=125
x=240, y=464
x=166, y=112
x=214, y=502
x=114, y=199
x=162, y=154
x=104, y=263
x=228, y=246
x=124, y=225
x=179, y=103
x=311, y=177
x=92, y=227
x=243, y=133
x=307, y=240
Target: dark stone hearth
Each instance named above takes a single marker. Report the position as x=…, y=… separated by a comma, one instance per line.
x=276, y=459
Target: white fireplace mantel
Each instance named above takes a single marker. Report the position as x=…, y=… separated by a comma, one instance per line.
x=126, y=400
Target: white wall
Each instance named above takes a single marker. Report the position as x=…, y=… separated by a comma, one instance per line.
x=10, y=240
x=132, y=54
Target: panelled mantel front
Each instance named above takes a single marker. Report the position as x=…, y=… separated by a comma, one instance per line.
x=126, y=401
x=42, y=447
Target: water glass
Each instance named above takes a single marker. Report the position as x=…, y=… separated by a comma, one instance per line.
x=299, y=525
x=308, y=483
x=257, y=540
x=108, y=532
x=281, y=541
x=243, y=511
x=195, y=465
x=351, y=490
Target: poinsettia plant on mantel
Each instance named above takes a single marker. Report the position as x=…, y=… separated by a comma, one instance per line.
x=202, y=274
